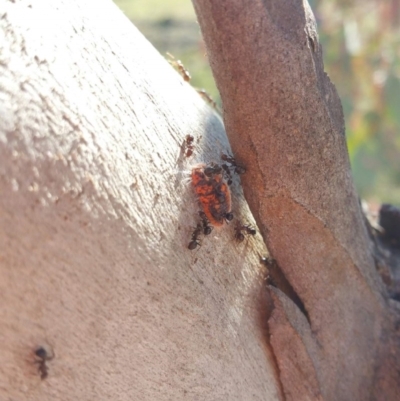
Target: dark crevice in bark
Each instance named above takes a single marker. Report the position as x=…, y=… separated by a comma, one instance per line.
x=278, y=279
x=384, y=233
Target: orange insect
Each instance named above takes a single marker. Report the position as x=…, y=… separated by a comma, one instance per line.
x=180, y=67
x=213, y=193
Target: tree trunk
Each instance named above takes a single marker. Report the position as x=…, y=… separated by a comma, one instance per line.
x=285, y=123
x=96, y=213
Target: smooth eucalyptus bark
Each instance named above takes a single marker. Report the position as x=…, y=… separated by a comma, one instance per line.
x=285, y=123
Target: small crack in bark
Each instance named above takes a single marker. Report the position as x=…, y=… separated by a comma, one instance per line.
x=279, y=280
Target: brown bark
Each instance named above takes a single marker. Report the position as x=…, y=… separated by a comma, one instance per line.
x=284, y=121
x=95, y=219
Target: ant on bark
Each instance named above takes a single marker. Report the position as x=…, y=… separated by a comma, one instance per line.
x=241, y=230
x=189, y=147
x=180, y=67
x=238, y=169
x=42, y=355
x=207, y=228
x=194, y=243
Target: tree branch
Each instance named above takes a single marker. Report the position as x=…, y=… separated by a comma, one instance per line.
x=285, y=123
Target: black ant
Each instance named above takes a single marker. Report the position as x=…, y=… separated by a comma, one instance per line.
x=42, y=356
x=240, y=229
x=267, y=261
x=212, y=169
x=219, y=193
x=228, y=217
x=189, y=145
x=227, y=173
x=180, y=67
x=195, y=237
x=231, y=160
x=207, y=228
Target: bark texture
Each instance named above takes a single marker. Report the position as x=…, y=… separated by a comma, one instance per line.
x=95, y=217
x=285, y=123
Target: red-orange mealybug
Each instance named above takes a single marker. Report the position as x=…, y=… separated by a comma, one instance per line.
x=213, y=193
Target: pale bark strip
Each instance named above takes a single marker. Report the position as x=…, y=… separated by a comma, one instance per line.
x=285, y=123
x=95, y=219
x=291, y=335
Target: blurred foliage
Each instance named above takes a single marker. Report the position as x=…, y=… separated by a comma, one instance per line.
x=171, y=26
x=361, y=44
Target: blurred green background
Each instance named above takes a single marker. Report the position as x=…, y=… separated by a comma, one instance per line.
x=361, y=45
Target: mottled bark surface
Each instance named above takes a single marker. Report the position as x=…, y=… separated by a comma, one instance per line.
x=96, y=212
x=284, y=121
